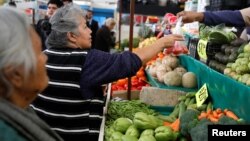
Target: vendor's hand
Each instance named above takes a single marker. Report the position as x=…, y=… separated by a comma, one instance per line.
x=169, y=40
x=190, y=16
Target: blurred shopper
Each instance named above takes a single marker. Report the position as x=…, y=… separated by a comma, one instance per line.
x=104, y=39
x=73, y=102
x=43, y=25
x=12, y=3
x=23, y=75
x=92, y=24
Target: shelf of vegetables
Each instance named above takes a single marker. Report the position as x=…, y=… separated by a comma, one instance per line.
x=225, y=92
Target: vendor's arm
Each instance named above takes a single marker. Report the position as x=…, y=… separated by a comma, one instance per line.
x=230, y=18
x=246, y=15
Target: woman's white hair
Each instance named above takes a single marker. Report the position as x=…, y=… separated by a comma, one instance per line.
x=110, y=21
x=15, y=44
x=66, y=19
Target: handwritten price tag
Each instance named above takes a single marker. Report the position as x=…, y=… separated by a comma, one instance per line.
x=201, y=49
x=201, y=95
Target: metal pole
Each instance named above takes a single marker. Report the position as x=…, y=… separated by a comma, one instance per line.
x=132, y=11
x=120, y=23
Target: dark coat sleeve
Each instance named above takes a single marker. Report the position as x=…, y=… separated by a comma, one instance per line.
x=102, y=68
x=230, y=18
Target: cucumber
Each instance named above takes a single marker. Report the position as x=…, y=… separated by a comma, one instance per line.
x=183, y=108
x=192, y=106
x=167, y=118
x=210, y=106
x=202, y=107
x=192, y=101
x=182, y=98
x=175, y=112
x=190, y=94
x=187, y=101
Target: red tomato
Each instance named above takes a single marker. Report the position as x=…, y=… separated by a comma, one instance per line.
x=139, y=87
x=121, y=82
x=140, y=73
x=113, y=87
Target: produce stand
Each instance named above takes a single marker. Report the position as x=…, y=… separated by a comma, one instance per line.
x=158, y=84
x=101, y=134
x=225, y=92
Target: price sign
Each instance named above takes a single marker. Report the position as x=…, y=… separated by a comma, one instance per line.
x=201, y=95
x=201, y=49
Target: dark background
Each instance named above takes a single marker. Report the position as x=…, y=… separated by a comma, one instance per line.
x=151, y=8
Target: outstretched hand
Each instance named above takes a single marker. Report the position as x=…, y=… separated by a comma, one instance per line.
x=190, y=16
x=169, y=40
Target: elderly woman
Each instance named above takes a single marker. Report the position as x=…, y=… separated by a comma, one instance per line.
x=103, y=40
x=73, y=102
x=23, y=75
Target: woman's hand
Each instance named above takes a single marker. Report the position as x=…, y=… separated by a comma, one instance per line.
x=190, y=16
x=169, y=40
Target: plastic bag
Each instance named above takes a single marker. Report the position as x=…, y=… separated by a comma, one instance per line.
x=179, y=46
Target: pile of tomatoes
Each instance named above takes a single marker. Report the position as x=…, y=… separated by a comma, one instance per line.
x=137, y=82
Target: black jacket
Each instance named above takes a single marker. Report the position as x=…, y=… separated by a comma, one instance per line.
x=94, y=27
x=103, y=39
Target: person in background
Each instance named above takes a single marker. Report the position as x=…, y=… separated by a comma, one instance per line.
x=43, y=25
x=103, y=39
x=67, y=2
x=73, y=102
x=23, y=75
x=12, y=3
x=92, y=24
x=238, y=18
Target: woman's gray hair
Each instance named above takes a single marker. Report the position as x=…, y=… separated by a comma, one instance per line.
x=66, y=19
x=15, y=44
x=110, y=21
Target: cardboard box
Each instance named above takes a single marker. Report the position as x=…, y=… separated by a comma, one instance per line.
x=160, y=97
x=123, y=94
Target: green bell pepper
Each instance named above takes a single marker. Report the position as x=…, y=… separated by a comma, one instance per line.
x=147, y=138
x=122, y=124
x=116, y=136
x=133, y=131
x=129, y=138
x=143, y=121
x=164, y=133
x=147, y=132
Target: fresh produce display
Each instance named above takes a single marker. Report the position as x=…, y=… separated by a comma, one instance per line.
x=142, y=125
x=240, y=69
x=146, y=42
x=187, y=101
x=168, y=70
x=137, y=82
x=127, y=109
x=228, y=54
x=194, y=123
x=219, y=34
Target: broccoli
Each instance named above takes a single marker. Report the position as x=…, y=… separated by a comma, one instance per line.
x=188, y=116
x=225, y=120
x=200, y=131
